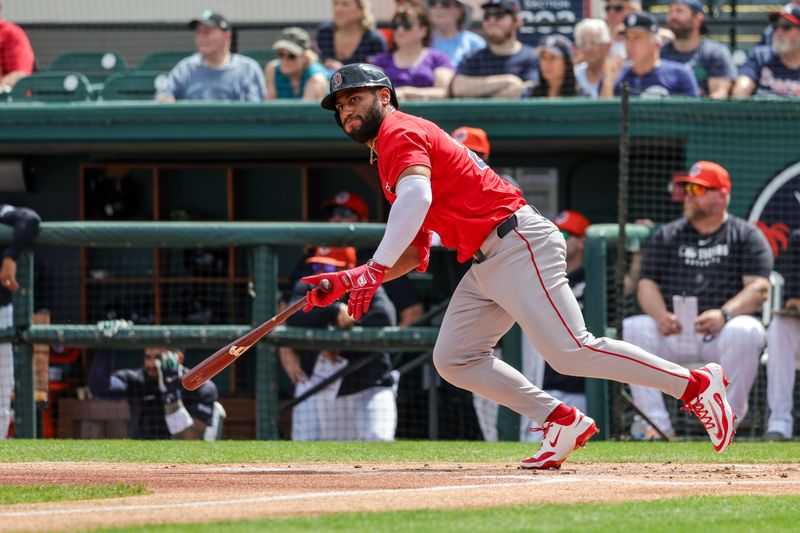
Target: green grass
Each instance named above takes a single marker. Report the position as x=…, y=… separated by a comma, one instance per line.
x=698, y=513
x=10, y=494
x=450, y=451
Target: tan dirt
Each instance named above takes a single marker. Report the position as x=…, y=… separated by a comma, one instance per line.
x=209, y=493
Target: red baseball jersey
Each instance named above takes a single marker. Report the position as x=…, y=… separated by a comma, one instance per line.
x=469, y=198
x=15, y=49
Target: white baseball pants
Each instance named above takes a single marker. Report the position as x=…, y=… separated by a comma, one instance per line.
x=783, y=342
x=523, y=279
x=737, y=348
x=6, y=373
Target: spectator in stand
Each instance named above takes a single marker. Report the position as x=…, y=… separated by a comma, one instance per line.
x=214, y=73
x=351, y=37
x=26, y=226
x=616, y=12
x=647, y=74
x=783, y=340
x=417, y=71
x=450, y=21
x=709, y=60
x=774, y=69
x=297, y=72
x=556, y=74
x=769, y=29
x=160, y=408
x=506, y=68
x=593, y=41
x=704, y=278
x=361, y=405
x=16, y=56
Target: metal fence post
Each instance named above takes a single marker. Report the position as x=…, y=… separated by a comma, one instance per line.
x=25, y=397
x=265, y=276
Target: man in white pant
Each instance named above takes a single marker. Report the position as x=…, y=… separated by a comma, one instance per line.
x=26, y=226
x=783, y=340
x=704, y=277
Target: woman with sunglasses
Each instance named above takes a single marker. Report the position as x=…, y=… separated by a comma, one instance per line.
x=297, y=72
x=450, y=23
x=351, y=37
x=616, y=11
x=418, y=71
x=556, y=75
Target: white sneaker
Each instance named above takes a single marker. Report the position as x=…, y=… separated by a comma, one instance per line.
x=712, y=408
x=559, y=440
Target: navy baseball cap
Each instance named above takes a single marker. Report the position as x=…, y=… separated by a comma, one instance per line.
x=512, y=6
x=790, y=12
x=210, y=18
x=641, y=21
x=694, y=5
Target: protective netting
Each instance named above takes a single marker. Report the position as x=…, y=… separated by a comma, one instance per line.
x=699, y=268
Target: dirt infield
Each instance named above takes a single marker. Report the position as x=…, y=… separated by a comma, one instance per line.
x=208, y=493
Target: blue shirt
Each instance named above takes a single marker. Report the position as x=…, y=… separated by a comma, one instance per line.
x=458, y=47
x=283, y=85
x=668, y=78
x=709, y=60
x=372, y=42
x=770, y=75
x=523, y=64
x=240, y=80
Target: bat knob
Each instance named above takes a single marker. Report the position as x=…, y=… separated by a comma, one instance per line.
x=325, y=285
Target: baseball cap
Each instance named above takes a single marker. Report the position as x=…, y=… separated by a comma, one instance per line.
x=641, y=21
x=210, y=18
x=790, y=12
x=351, y=201
x=572, y=222
x=473, y=138
x=295, y=40
x=338, y=257
x=694, y=5
x=708, y=174
x=512, y=6
x=557, y=44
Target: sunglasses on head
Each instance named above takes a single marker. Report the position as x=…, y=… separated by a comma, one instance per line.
x=785, y=26
x=695, y=188
x=488, y=15
x=619, y=8
x=443, y=3
x=282, y=54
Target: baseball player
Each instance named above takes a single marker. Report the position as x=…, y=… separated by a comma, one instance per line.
x=434, y=183
x=26, y=226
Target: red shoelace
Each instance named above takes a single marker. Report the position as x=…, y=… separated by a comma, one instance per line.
x=700, y=412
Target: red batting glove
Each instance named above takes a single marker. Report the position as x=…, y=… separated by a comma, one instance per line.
x=319, y=298
x=365, y=279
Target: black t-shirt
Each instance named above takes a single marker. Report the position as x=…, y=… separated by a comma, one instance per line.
x=684, y=262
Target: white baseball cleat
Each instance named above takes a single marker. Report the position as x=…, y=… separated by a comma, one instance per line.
x=712, y=408
x=559, y=440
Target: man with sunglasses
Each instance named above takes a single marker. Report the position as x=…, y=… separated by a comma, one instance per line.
x=616, y=11
x=774, y=69
x=506, y=68
x=450, y=24
x=517, y=274
x=722, y=263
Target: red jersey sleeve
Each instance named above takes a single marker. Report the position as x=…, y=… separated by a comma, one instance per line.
x=422, y=242
x=17, y=54
x=410, y=146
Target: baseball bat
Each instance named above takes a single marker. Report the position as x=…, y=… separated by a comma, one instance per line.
x=222, y=358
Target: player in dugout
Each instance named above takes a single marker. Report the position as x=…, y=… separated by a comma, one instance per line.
x=518, y=274
x=159, y=409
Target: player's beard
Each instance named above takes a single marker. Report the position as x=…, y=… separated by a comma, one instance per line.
x=370, y=124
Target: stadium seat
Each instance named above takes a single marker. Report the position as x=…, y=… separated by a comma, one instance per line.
x=96, y=66
x=262, y=56
x=163, y=61
x=138, y=85
x=52, y=87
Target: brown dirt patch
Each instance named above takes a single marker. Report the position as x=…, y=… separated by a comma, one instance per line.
x=209, y=493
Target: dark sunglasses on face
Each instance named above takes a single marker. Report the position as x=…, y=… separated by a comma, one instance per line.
x=695, y=188
x=405, y=24
x=443, y=3
x=785, y=26
x=286, y=55
x=619, y=8
x=321, y=267
x=488, y=15
x=343, y=212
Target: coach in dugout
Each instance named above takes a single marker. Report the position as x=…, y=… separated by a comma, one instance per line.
x=214, y=72
x=159, y=409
